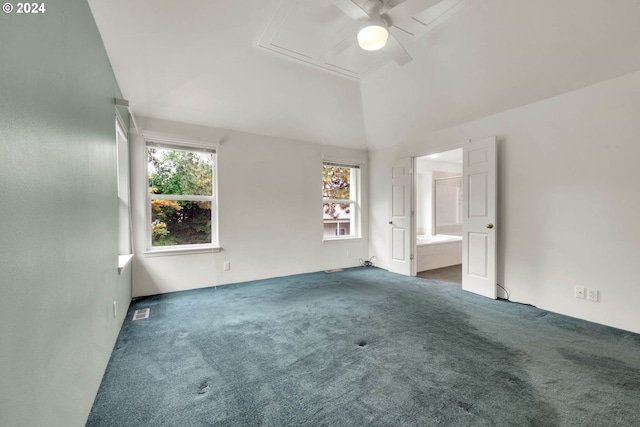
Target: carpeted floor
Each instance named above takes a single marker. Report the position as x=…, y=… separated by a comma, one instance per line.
x=363, y=347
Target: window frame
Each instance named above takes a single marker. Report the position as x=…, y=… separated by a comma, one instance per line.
x=157, y=141
x=355, y=200
x=123, y=190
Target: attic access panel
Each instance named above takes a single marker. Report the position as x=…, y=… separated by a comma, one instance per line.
x=310, y=31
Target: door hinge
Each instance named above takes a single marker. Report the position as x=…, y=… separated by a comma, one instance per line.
x=411, y=257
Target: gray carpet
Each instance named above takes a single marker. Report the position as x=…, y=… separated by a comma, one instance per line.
x=363, y=347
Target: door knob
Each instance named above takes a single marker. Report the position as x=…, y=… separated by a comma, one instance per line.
x=489, y=225
x=390, y=222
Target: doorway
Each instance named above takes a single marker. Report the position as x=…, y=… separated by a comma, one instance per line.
x=439, y=195
x=479, y=211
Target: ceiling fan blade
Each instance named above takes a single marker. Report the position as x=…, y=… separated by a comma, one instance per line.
x=408, y=9
x=340, y=47
x=396, y=51
x=351, y=9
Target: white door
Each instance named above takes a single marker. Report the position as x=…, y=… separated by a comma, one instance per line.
x=401, y=236
x=479, y=224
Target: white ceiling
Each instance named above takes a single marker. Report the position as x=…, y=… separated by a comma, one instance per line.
x=216, y=63
x=497, y=55
x=320, y=34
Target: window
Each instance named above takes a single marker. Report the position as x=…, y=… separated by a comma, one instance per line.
x=122, y=176
x=181, y=195
x=124, y=201
x=340, y=200
x=447, y=204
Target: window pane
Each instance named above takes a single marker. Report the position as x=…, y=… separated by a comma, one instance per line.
x=336, y=182
x=448, y=206
x=124, y=233
x=180, y=222
x=337, y=219
x=180, y=172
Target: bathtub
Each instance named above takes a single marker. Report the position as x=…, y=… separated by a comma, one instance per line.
x=438, y=251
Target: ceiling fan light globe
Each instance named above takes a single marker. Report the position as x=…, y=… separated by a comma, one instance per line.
x=373, y=37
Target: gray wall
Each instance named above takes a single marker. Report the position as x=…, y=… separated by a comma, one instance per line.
x=58, y=216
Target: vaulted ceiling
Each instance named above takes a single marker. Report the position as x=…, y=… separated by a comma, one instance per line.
x=271, y=67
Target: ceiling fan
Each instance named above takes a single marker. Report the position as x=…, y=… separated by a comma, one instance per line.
x=376, y=17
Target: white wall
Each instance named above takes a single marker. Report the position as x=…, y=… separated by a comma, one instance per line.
x=568, y=203
x=270, y=213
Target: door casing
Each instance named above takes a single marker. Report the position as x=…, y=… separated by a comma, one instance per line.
x=413, y=224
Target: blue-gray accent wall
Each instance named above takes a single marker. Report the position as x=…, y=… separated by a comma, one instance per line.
x=58, y=216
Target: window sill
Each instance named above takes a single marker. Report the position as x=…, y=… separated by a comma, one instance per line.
x=123, y=261
x=341, y=239
x=182, y=251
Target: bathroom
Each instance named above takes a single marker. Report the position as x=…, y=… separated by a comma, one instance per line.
x=439, y=198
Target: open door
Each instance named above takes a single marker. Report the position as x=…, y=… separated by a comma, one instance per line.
x=479, y=223
x=401, y=234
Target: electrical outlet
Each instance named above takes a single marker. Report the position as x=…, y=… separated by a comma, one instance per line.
x=580, y=292
x=226, y=266
x=115, y=309
x=592, y=294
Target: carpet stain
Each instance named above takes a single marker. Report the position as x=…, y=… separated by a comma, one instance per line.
x=204, y=387
x=466, y=406
x=615, y=373
x=155, y=370
x=510, y=378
